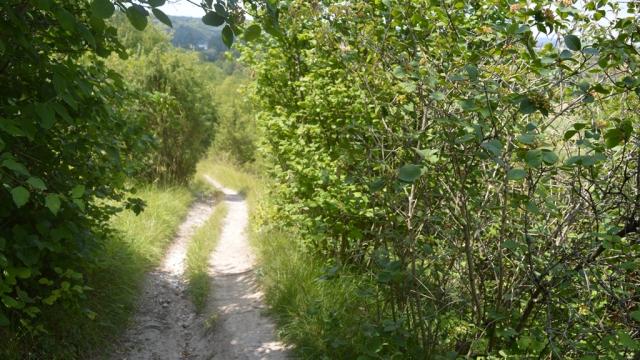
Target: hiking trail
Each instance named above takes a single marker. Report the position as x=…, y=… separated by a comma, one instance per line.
x=233, y=325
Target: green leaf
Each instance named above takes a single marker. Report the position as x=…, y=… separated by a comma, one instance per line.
x=613, y=137
x=22, y=272
x=627, y=340
x=565, y=55
x=472, y=71
x=220, y=9
x=156, y=3
x=527, y=106
x=52, y=202
x=533, y=158
x=137, y=16
x=213, y=19
x=437, y=96
x=59, y=83
x=252, y=32
x=430, y=155
x=10, y=302
x=569, y=134
x=409, y=173
x=46, y=114
x=465, y=138
x=227, y=36
x=66, y=20
x=15, y=166
x=573, y=42
x=547, y=60
x=4, y=321
x=573, y=160
x=516, y=174
x=376, y=185
x=549, y=157
x=102, y=9
x=89, y=39
x=409, y=86
x=509, y=244
x=635, y=315
x=468, y=105
x=37, y=183
x=20, y=196
x=528, y=139
x=77, y=191
x=493, y=146
x=162, y=17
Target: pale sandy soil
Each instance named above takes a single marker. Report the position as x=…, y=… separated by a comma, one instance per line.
x=233, y=326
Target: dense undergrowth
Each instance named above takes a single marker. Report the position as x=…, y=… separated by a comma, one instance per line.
x=115, y=278
x=471, y=165
x=92, y=108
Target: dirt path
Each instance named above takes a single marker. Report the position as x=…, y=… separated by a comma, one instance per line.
x=241, y=330
x=166, y=326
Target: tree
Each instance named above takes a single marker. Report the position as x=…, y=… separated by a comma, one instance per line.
x=61, y=153
x=483, y=183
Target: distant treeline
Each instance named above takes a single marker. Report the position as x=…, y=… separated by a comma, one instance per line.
x=191, y=33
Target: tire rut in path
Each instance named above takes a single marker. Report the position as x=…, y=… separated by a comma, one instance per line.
x=241, y=330
x=166, y=325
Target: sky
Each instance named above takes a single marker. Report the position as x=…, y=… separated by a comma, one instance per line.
x=182, y=8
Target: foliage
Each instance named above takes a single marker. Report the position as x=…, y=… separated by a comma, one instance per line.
x=61, y=149
x=321, y=314
x=137, y=245
x=65, y=159
x=236, y=131
x=171, y=98
x=484, y=184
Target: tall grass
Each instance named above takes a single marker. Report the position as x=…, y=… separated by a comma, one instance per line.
x=138, y=246
x=319, y=308
x=115, y=279
x=245, y=181
x=198, y=254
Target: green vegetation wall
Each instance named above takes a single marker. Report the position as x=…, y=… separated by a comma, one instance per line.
x=61, y=153
x=74, y=136
x=236, y=133
x=478, y=161
x=172, y=96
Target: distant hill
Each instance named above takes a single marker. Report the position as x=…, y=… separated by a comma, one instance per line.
x=191, y=33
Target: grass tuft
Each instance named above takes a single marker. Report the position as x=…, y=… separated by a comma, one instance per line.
x=198, y=253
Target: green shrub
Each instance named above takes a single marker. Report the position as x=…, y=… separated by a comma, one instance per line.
x=114, y=279
x=171, y=98
x=62, y=164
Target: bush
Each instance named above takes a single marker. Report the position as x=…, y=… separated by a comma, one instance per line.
x=62, y=166
x=171, y=97
x=236, y=132
x=476, y=160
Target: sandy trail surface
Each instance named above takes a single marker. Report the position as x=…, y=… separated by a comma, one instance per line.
x=241, y=330
x=233, y=326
